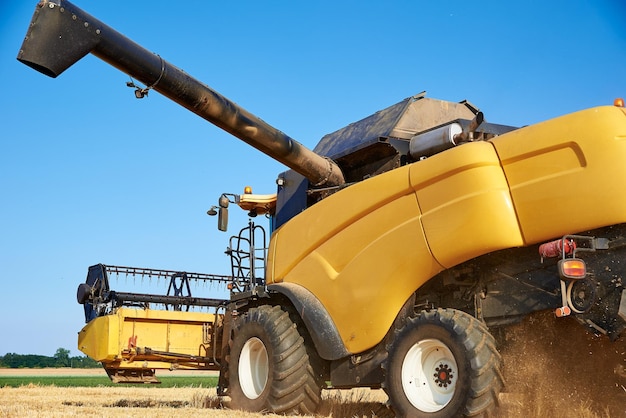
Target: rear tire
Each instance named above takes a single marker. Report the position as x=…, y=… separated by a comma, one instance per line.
x=443, y=363
x=269, y=367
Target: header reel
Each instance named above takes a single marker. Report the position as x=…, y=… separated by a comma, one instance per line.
x=98, y=299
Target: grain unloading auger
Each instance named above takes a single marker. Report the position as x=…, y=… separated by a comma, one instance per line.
x=394, y=246
x=61, y=34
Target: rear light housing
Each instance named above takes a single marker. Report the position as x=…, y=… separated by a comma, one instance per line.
x=572, y=269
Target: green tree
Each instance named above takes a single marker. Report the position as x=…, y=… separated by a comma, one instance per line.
x=84, y=362
x=14, y=361
x=62, y=358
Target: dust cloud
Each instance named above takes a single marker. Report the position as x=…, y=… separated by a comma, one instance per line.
x=555, y=367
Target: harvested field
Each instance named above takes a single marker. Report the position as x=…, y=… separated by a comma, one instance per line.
x=553, y=368
x=47, y=401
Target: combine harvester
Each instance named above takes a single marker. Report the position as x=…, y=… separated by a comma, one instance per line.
x=393, y=247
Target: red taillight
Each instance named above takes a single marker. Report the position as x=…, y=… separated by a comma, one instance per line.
x=572, y=268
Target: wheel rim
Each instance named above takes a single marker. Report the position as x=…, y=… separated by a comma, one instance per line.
x=429, y=375
x=253, y=368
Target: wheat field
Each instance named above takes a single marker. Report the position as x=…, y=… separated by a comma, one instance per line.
x=552, y=367
x=49, y=401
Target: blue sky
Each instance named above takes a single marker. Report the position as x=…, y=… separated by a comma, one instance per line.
x=89, y=174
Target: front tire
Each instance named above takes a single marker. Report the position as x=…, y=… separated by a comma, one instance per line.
x=443, y=363
x=269, y=367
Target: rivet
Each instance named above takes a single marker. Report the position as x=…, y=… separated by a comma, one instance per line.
x=97, y=31
x=86, y=24
x=51, y=5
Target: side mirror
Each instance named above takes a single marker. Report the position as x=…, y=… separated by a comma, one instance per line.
x=222, y=219
x=222, y=215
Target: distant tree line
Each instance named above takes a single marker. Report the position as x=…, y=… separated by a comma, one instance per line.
x=60, y=359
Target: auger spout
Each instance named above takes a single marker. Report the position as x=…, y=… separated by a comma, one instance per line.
x=60, y=34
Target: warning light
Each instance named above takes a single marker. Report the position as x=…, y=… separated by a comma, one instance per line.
x=562, y=311
x=247, y=190
x=572, y=268
x=619, y=102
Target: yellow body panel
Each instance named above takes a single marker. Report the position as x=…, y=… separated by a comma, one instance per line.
x=567, y=174
x=466, y=205
x=365, y=260
x=111, y=339
x=361, y=252
x=364, y=250
x=99, y=339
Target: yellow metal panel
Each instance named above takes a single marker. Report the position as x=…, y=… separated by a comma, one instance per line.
x=361, y=252
x=172, y=331
x=567, y=174
x=465, y=202
x=105, y=337
x=99, y=339
x=321, y=222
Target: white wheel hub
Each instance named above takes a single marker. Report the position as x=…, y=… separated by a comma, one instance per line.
x=429, y=375
x=253, y=368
